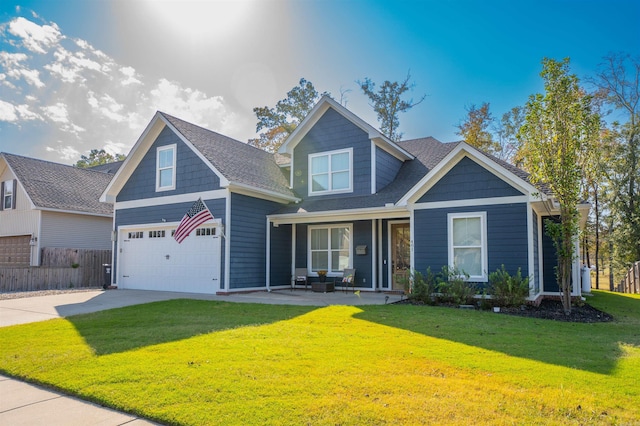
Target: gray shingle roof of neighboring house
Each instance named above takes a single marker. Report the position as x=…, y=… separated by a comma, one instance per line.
x=237, y=161
x=60, y=187
x=107, y=168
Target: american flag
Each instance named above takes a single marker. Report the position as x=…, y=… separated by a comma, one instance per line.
x=197, y=215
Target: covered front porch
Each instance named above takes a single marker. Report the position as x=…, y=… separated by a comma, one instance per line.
x=376, y=243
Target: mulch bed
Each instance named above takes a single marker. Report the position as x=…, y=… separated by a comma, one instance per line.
x=548, y=309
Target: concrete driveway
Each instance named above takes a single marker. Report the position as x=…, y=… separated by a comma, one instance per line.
x=41, y=308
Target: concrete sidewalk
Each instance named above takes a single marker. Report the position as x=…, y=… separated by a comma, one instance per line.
x=25, y=404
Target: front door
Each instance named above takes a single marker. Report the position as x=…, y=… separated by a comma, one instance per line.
x=400, y=254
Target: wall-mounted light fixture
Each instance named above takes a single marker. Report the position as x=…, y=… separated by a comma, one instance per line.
x=33, y=241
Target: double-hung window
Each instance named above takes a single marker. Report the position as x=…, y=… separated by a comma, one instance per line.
x=166, y=168
x=330, y=248
x=331, y=172
x=8, y=195
x=468, y=244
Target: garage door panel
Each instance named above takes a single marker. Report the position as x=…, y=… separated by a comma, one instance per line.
x=153, y=260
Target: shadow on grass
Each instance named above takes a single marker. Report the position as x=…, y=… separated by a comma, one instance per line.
x=590, y=347
x=133, y=327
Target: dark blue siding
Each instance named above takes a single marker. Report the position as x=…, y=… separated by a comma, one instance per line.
x=467, y=180
x=387, y=167
x=280, y=255
x=301, y=246
x=506, y=237
x=169, y=213
x=549, y=259
x=192, y=175
x=248, y=239
x=362, y=264
x=333, y=132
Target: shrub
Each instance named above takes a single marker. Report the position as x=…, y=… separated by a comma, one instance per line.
x=421, y=287
x=508, y=290
x=454, y=288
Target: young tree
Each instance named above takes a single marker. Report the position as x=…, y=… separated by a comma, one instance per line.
x=506, y=131
x=475, y=129
x=280, y=121
x=387, y=103
x=97, y=157
x=559, y=127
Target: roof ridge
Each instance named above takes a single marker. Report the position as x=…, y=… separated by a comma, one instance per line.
x=51, y=162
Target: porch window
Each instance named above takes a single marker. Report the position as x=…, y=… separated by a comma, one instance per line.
x=468, y=244
x=330, y=248
x=166, y=168
x=330, y=172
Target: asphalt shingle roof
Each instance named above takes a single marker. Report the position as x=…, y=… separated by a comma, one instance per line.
x=61, y=187
x=237, y=161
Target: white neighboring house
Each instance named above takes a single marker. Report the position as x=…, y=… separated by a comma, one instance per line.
x=46, y=204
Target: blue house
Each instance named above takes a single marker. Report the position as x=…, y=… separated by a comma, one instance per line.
x=347, y=198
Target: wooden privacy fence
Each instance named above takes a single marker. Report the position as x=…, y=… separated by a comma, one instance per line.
x=60, y=269
x=631, y=282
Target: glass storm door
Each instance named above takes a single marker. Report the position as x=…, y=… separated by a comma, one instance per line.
x=400, y=255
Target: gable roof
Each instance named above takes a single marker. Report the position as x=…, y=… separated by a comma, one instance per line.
x=238, y=165
x=318, y=111
x=54, y=186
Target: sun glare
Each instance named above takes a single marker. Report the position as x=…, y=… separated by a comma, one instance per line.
x=200, y=19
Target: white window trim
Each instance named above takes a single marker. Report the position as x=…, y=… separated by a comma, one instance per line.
x=173, y=171
x=483, y=248
x=8, y=185
x=330, y=153
x=349, y=226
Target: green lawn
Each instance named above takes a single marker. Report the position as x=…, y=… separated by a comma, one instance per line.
x=200, y=362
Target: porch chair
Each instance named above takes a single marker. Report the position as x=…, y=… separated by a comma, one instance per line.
x=348, y=279
x=300, y=277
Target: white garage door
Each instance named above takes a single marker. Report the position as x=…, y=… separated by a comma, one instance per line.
x=150, y=259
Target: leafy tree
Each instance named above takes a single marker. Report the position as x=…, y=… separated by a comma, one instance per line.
x=475, y=129
x=387, y=102
x=618, y=81
x=506, y=131
x=280, y=121
x=558, y=130
x=97, y=157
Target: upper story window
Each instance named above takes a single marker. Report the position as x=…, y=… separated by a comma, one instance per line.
x=468, y=244
x=331, y=172
x=166, y=168
x=8, y=195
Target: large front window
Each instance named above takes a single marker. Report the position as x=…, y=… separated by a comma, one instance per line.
x=468, y=244
x=330, y=248
x=166, y=168
x=330, y=172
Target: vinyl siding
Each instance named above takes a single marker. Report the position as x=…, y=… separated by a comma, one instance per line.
x=468, y=180
x=333, y=132
x=248, y=240
x=65, y=230
x=387, y=167
x=536, y=255
x=507, y=241
x=192, y=174
x=280, y=262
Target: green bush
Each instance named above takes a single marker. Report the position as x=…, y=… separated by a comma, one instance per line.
x=421, y=287
x=454, y=288
x=508, y=290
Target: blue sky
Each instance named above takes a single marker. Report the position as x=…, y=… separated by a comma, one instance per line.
x=77, y=75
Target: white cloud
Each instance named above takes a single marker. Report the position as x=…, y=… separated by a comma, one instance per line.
x=83, y=98
x=7, y=112
x=36, y=38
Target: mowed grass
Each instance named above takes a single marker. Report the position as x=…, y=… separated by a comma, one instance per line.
x=192, y=362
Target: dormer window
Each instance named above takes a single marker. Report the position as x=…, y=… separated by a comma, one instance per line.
x=166, y=168
x=331, y=172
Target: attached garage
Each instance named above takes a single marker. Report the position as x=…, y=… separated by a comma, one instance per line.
x=150, y=259
x=15, y=251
